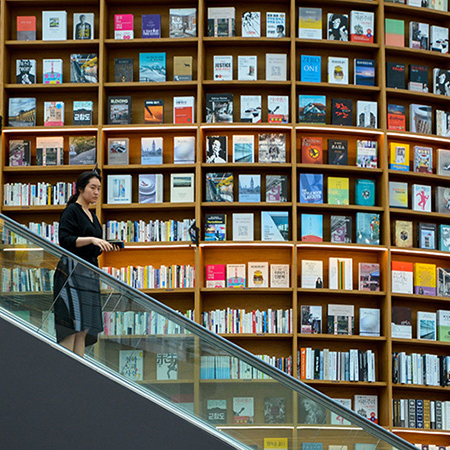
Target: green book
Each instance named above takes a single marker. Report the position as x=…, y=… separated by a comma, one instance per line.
x=338, y=191
x=443, y=325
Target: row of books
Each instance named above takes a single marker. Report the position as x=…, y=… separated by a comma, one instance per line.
x=128, y=323
x=149, y=277
x=429, y=370
x=422, y=158
x=429, y=236
x=421, y=413
x=236, y=321
x=19, y=279
x=230, y=368
x=354, y=365
x=39, y=194
x=48, y=231
x=439, y=5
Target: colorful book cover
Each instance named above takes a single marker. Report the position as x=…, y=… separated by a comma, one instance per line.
x=312, y=108
x=364, y=70
x=278, y=109
x=276, y=443
x=367, y=406
x=311, y=318
x=338, y=191
x=341, y=229
x=365, y=192
x=342, y=111
x=394, y=32
x=399, y=156
x=403, y=233
x=243, y=410
x=131, y=364
x=274, y=225
x=311, y=188
x=82, y=150
x=312, y=227
x=362, y=26
x=151, y=150
x=426, y=325
x=420, y=118
x=215, y=275
x=421, y=195
x=83, y=26
x=84, y=68
x=426, y=234
x=398, y=194
x=26, y=28
x=152, y=67
x=219, y=187
x=424, y=279
x=250, y=188
x=52, y=71
x=150, y=188
x=19, y=152
x=183, y=109
x=369, y=277
x=154, y=111
x=82, y=112
x=423, y=159
x=236, y=276
x=444, y=238
x=367, y=228
x=443, y=325
x=312, y=151
x=401, y=324
x=22, y=112
x=310, y=23
x=216, y=411
x=367, y=154
x=310, y=69
x=123, y=26
x=396, y=117
x=402, y=278
x=215, y=227
x=151, y=26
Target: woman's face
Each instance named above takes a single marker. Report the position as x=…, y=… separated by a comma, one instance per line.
x=91, y=192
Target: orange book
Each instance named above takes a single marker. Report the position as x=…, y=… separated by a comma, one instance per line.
x=312, y=150
x=303, y=363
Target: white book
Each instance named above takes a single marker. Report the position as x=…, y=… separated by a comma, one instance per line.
x=310, y=23
x=369, y=322
x=151, y=150
x=151, y=188
x=83, y=26
x=402, y=281
x=276, y=67
x=438, y=39
x=251, y=108
x=182, y=187
x=274, y=225
x=312, y=274
x=119, y=189
x=251, y=24
x=334, y=275
x=243, y=148
x=131, y=364
x=221, y=21
x=336, y=419
x=223, y=67
x=340, y=319
x=275, y=24
x=366, y=406
x=337, y=70
x=421, y=196
x=167, y=366
x=184, y=150
x=278, y=108
x=243, y=227
x=426, y=325
x=366, y=114
x=54, y=25
x=184, y=109
x=258, y=274
x=420, y=118
x=416, y=3
x=236, y=274
x=279, y=276
x=247, y=68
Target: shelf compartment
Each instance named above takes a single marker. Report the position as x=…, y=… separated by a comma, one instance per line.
x=337, y=246
x=376, y=384
x=242, y=205
x=420, y=177
x=144, y=43
x=327, y=206
x=421, y=387
x=341, y=292
x=338, y=87
x=343, y=45
x=79, y=45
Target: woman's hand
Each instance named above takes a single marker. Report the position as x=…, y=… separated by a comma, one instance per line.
x=105, y=246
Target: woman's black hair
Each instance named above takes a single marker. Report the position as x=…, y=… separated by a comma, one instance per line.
x=83, y=181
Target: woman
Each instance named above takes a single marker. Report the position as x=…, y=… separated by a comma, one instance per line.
x=77, y=305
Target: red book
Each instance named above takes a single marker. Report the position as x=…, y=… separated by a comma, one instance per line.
x=312, y=150
x=215, y=276
x=26, y=28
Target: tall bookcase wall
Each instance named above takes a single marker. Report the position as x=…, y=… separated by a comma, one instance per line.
x=199, y=298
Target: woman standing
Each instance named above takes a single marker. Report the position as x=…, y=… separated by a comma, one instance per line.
x=77, y=302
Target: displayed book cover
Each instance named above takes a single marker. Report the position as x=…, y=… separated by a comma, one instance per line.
x=247, y=67
x=396, y=117
x=219, y=108
x=310, y=69
x=399, y=156
x=395, y=75
x=311, y=412
x=438, y=39
x=312, y=108
x=82, y=150
x=221, y=21
x=311, y=188
x=118, y=153
x=243, y=227
x=123, y=70
x=338, y=152
x=119, y=189
x=183, y=109
x=418, y=78
x=402, y=279
x=443, y=162
x=274, y=225
x=272, y=148
x=366, y=406
x=442, y=200
x=421, y=197
x=215, y=275
x=182, y=187
x=19, y=152
x=54, y=25
x=336, y=419
x=341, y=229
x=52, y=71
x=367, y=154
x=53, y=114
x=401, y=325
x=167, y=366
x=279, y=276
x=310, y=23
x=50, y=151
x=182, y=68
x=362, y=26
x=151, y=26
x=420, y=118
x=337, y=70
x=403, y=233
x=274, y=410
x=276, y=443
x=131, y=364
x=337, y=27
x=223, y=67
x=275, y=24
x=444, y=238
x=276, y=67
x=312, y=150
x=182, y=22
x=367, y=228
x=123, y=26
x=364, y=72
x=441, y=82
x=426, y=325
x=278, y=109
x=243, y=148
x=26, y=71
x=442, y=123
x=443, y=325
x=369, y=322
x=342, y=111
x=338, y=191
x=154, y=111
x=424, y=279
x=250, y=188
x=21, y=112
x=340, y=319
x=151, y=150
x=276, y=188
x=312, y=276
x=216, y=411
x=312, y=227
x=236, y=275
x=84, y=68
x=394, y=34
x=258, y=274
x=83, y=26
x=82, y=112
x=219, y=187
x=364, y=192
x=215, y=227
x=26, y=28
x=366, y=114
x=398, y=194
x=119, y=110
x=251, y=108
x=216, y=149
x=369, y=277
x=311, y=318
x=251, y=24
x=152, y=67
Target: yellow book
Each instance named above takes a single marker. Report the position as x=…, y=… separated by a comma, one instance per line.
x=338, y=191
x=424, y=279
x=398, y=156
x=426, y=414
x=278, y=443
x=310, y=23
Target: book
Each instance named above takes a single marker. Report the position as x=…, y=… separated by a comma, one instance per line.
x=219, y=108
x=84, y=68
x=131, y=364
x=21, y=112
x=151, y=150
x=251, y=24
x=443, y=162
x=216, y=411
x=123, y=26
x=152, y=67
x=154, y=111
x=150, y=188
x=223, y=67
x=274, y=225
x=118, y=153
x=50, y=151
x=402, y=277
x=396, y=117
x=215, y=227
x=275, y=24
x=364, y=192
x=247, y=67
x=424, y=279
x=395, y=75
x=183, y=109
x=243, y=407
x=83, y=26
x=311, y=412
x=119, y=189
x=221, y=21
x=236, y=275
x=337, y=27
x=399, y=156
x=119, y=110
x=419, y=35
x=26, y=71
x=443, y=325
x=311, y=188
x=82, y=112
x=151, y=26
x=275, y=410
x=420, y=118
x=340, y=273
x=362, y=26
x=398, y=194
x=341, y=229
x=243, y=227
x=338, y=152
x=426, y=234
x=312, y=227
x=426, y=325
x=312, y=151
x=26, y=28
x=442, y=200
x=276, y=188
x=182, y=22
x=276, y=443
x=368, y=228
x=444, y=238
x=342, y=111
x=336, y=419
x=258, y=274
x=366, y=114
x=310, y=69
x=182, y=68
x=249, y=188
x=123, y=70
x=219, y=187
x=216, y=149
x=54, y=25
x=403, y=233
x=310, y=318
x=19, y=152
x=418, y=78
x=367, y=154
x=251, y=108
x=312, y=109
x=215, y=275
x=366, y=406
x=421, y=197
x=278, y=109
x=338, y=191
x=369, y=322
x=394, y=34
x=272, y=148
x=364, y=72
x=438, y=39
x=82, y=150
x=182, y=187
x=442, y=122
x=401, y=325
x=312, y=278
x=167, y=366
x=279, y=276
x=53, y=114
x=369, y=276
x=276, y=67
x=340, y=319
x=52, y=71
x=310, y=23
x=243, y=148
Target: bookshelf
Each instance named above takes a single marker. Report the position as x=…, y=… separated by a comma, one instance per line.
x=203, y=48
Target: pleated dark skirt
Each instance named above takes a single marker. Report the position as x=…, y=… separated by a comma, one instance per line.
x=77, y=303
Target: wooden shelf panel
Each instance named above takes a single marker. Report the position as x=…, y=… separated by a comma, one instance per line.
x=238, y=83
x=34, y=209
x=254, y=335
x=337, y=246
x=44, y=169
x=147, y=44
x=327, y=206
x=339, y=87
x=416, y=54
x=420, y=177
x=420, y=387
x=147, y=206
x=376, y=384
x=420, y=96
x=419, y=214
x=79, y=45
x=341, y=337
x=420, y=252
x=341, y=292
x=421, y=342
x=422, y=298
x=335, y=45
x=260, y=166
x=249, y=291
x=149, y=167
x=241, y=205
x=414, y=11
x=141, y=86
x=242, y=42
x=333, y=168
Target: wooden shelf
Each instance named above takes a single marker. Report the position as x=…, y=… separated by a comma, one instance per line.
x=332, y=168
x=340, y=337
x=246, y=291
x=327, y=206
x=421, y=387
x=147, y=206
x=376, y=384
x=419, y=214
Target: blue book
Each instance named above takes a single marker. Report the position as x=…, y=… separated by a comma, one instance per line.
x=312, y=108
x=249, y=188
x=310, y=69
x=444, y=238
x=151, y=26
x=152, y=67
x=365, y=72
x=312, y=227
x=311, y=188
x=274, y=225
x=311, y=446
x=368, y=228
x=365, y=192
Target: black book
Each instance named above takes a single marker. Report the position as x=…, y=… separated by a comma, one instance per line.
x=82, y=113
x=341, y=229
x=418, y=78
x=219, y=108
x=427, y=233
x=341, y=111
x=119, y=110
x=123, y=70
x=338, y=152
x=395, y=75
